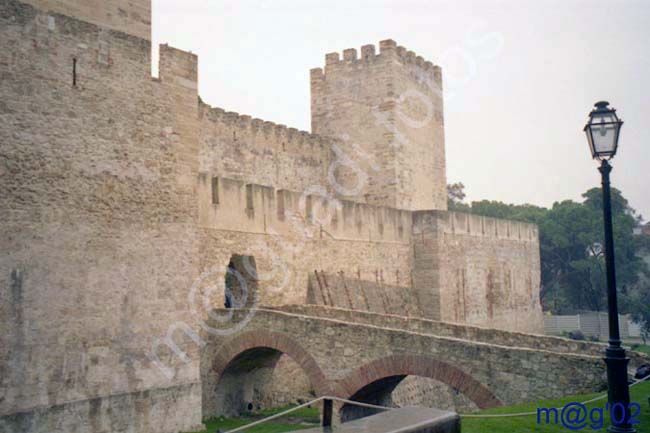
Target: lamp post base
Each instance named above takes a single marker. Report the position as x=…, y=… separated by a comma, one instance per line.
x=618, y=390
x=615, y=429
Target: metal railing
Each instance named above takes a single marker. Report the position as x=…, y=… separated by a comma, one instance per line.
x=328, y=410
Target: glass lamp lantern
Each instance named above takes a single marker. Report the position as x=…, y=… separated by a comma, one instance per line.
x=602, y=131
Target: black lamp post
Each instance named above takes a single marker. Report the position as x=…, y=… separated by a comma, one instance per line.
x=602, y=131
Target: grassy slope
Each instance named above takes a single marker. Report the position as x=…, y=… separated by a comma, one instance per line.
x=528, y=424
x=639, y=394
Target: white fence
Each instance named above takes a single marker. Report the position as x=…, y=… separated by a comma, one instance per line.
x=635, y=329
x=556, y=325
x=590, y=324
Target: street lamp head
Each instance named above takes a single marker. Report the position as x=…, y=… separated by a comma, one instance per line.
x=603, y=130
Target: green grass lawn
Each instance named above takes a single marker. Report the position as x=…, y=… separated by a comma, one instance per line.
x=307, y=417
x=639, y=394
x=299, y=420
x=644, y=349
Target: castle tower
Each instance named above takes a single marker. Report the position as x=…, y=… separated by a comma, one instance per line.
x=386, y=110
x=128, y=16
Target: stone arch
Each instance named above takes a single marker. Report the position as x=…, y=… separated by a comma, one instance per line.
x=254, y=349
x=395, y=366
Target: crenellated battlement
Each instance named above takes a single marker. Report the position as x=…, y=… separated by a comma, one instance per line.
x=259, y=151
x=252, y=124
x=179, y=68
x=459, y=223
x=395, y=95
x=388, y=49
x=235, y=205
x=464, y=224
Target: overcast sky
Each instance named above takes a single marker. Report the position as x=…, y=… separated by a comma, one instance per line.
x=520, y=77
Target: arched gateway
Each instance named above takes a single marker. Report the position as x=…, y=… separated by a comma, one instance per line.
x=234, y=368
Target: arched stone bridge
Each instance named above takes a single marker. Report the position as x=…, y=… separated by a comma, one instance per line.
x=343, y=352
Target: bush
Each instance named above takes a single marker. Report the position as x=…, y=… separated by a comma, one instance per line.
x=577, y=335
x=635, y=346
x=594, y=338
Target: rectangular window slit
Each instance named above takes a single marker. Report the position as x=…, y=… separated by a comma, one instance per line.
x=74, y=72
x=249, y=197
x=215, y=190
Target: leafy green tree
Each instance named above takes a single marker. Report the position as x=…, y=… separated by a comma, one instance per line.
x=629, y=248
x=572, y=248
x=563, y=248
x=497, y=209
x=456, y=196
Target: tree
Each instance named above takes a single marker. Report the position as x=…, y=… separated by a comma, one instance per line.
x=572, y=248
x=629, y=248
x=456, y=196
x=496, y=209
x=567, y=277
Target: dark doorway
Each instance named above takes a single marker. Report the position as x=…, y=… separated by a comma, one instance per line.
x=240, y=282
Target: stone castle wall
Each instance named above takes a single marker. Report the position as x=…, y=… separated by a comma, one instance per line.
x=241, y=148
x=292, y=234
x=121, y=194
x=478, y=270
x=386, y=110
x=132, y=17
x=227, y=204
x=348, y=292
x=98, y=227
x=419, y=137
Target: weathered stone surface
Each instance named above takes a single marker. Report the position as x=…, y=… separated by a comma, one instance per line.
x=464, y=332
x=387, y=111
x=132, y=17
x=98, y=229
x=338, y=290
x=425, y=392
x=477, y=270
x=124, y=197
x=342, y=358
x=135, y=412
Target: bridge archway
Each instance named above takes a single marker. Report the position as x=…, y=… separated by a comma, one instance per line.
x=374, y=381
x=240, y=364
